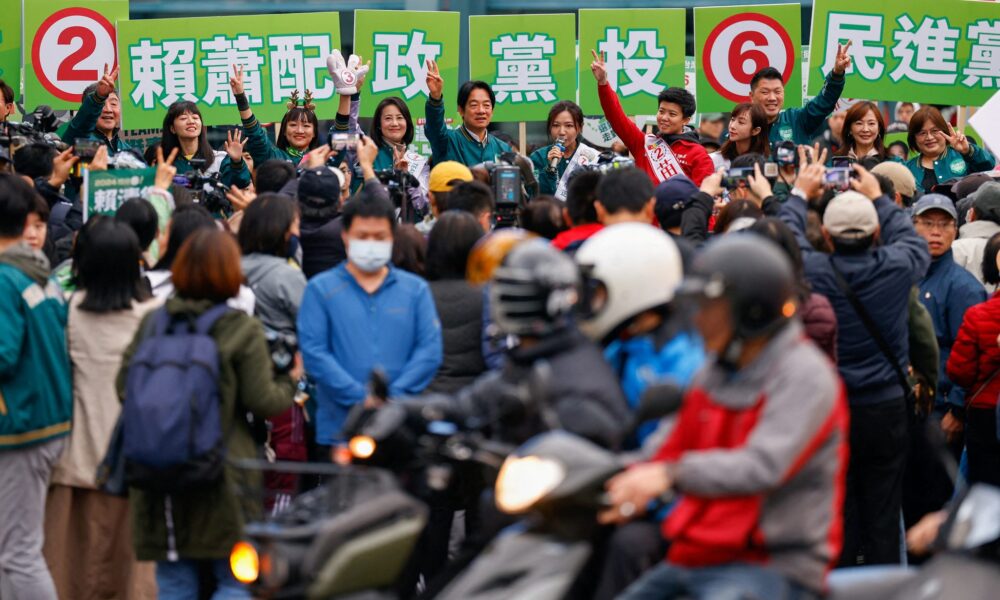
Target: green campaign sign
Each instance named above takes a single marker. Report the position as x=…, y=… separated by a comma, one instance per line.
x=66, y=47
x=166, y=60
x=104, y=191
x=398, y=44
x=924, y=51
x=529, y=60
x=10, y=47
x=644, y=53
x=733, y=43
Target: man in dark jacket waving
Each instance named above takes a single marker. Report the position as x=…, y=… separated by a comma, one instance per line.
x=879, y=278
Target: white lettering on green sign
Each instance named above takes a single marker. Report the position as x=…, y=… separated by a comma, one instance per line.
x=396, y=52
x=524, y=68
x=624, y=56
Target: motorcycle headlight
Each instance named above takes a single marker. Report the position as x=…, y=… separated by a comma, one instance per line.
x=244, y=562
x=523, y=481
x=362, y=446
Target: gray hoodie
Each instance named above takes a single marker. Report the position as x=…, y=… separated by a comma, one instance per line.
x=968, y=248
x=278, y=287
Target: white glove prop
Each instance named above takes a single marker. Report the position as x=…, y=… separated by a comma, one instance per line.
x=346, y=77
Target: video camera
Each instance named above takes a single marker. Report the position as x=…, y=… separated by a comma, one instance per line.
x=207, y=188
x=38, y=127
x=607, y=162
x=512, y=178
x=399, y=183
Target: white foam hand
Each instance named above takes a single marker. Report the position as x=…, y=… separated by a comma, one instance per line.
x=347, y=77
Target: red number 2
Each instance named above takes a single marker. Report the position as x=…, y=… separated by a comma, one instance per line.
x=67, y=69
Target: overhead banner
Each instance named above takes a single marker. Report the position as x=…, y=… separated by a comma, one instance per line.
x=529, y=60
x=67, y=45
x=644, y=53
x=10, y=47
x=735, y=42
x=398, y=45
x=166, y=60
x=925, y=51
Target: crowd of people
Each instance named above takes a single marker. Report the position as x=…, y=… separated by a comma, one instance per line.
x=820, y=296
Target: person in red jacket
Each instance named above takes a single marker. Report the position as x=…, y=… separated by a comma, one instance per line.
x=759, y=452
x=663, y=156
x=974, y=364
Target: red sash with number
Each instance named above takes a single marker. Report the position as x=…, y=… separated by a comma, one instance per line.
x=661, y=159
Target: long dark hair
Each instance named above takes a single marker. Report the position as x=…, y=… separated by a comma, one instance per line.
x=107, y=268
x=298, y=114
x=449, y=244
x=856, y=113
x=186, y=220
x=759, y=143
x=779, y=233
x=169, y=140
x=377, y=120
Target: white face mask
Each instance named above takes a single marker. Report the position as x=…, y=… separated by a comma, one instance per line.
x=369, y=255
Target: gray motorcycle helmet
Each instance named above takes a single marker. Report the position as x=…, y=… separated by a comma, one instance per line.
x=534, y=290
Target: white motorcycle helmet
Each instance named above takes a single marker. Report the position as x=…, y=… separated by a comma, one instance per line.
x=627, y=269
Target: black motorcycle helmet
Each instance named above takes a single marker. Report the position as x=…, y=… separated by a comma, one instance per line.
x=534, y=290
x=754, y=276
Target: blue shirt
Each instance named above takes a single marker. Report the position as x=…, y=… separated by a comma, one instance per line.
x=345, y=333
x=947, y=292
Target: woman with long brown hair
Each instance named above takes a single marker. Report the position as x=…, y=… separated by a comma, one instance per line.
x=864, y=134
x=748, y=133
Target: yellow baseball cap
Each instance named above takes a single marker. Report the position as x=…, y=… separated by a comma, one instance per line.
x=444, y=173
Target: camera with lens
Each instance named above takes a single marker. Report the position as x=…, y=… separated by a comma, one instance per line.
x=609, y=161
x=38, y=127
x=512, y=178
x=399, y=183
x=207, y=188
x=282, y=347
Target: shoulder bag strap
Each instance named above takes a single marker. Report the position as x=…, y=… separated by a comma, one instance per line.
x=869, y=324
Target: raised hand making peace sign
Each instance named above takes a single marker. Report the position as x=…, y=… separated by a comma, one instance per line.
x=843, y=61
x=957, y=140
x=599, y=68
x=435, y=85
x=106, y=85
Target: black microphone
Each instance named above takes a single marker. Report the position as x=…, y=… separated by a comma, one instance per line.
x=561, y=144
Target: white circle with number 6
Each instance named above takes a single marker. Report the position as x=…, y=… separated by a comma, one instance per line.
x=739, y=47
x=70, y=51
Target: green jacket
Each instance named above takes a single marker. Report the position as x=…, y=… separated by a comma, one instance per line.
x=36, y=393
x=207, y=522
x=229, y=174
x=952, y=165
x=802, y=124
x=456, y=144
x=924, y=349
x=261, y=148
x=84, y=125
x=547, y=181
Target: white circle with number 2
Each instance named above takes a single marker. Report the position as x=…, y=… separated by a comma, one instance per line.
x=74, y=52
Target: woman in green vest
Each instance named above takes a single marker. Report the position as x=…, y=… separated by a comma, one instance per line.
x=183, y=129
x=565, y=124
x=944, y=154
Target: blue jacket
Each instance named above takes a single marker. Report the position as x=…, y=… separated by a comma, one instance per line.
x=947, y=291
x=952, y=165
x=650, y=359
x=345, y=332
x=881, y=278
x=456, y=144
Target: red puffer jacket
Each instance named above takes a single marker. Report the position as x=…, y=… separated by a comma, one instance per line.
x=975, y=356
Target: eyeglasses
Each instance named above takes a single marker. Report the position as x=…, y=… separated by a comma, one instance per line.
x=928, y=224
x=929, y=133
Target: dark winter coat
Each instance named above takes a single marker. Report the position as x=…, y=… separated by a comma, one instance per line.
x=460, y=308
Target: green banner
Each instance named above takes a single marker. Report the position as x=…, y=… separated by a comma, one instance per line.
x=530, y=60
x=67, y=45
x=10, y=47
x=398, y=44
x=644, y=52
x=925, y=51
x=165, y=60
x=733, y=43
x=104, y=191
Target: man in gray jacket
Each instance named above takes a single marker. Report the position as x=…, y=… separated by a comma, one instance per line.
x=982, y=224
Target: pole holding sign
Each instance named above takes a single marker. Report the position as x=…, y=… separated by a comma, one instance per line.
x=529, y=60
x=735, y=42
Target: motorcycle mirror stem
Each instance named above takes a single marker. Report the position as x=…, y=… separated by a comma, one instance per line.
x=658, y=401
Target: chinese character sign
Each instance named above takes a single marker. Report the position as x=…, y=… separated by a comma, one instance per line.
x=66, y=47
x=914, y=51
x=644, y=52
x=735, y=42
x=530, y=61
x=398, y=45
x=104, y=191
x=166, y=60
x=10, y=47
